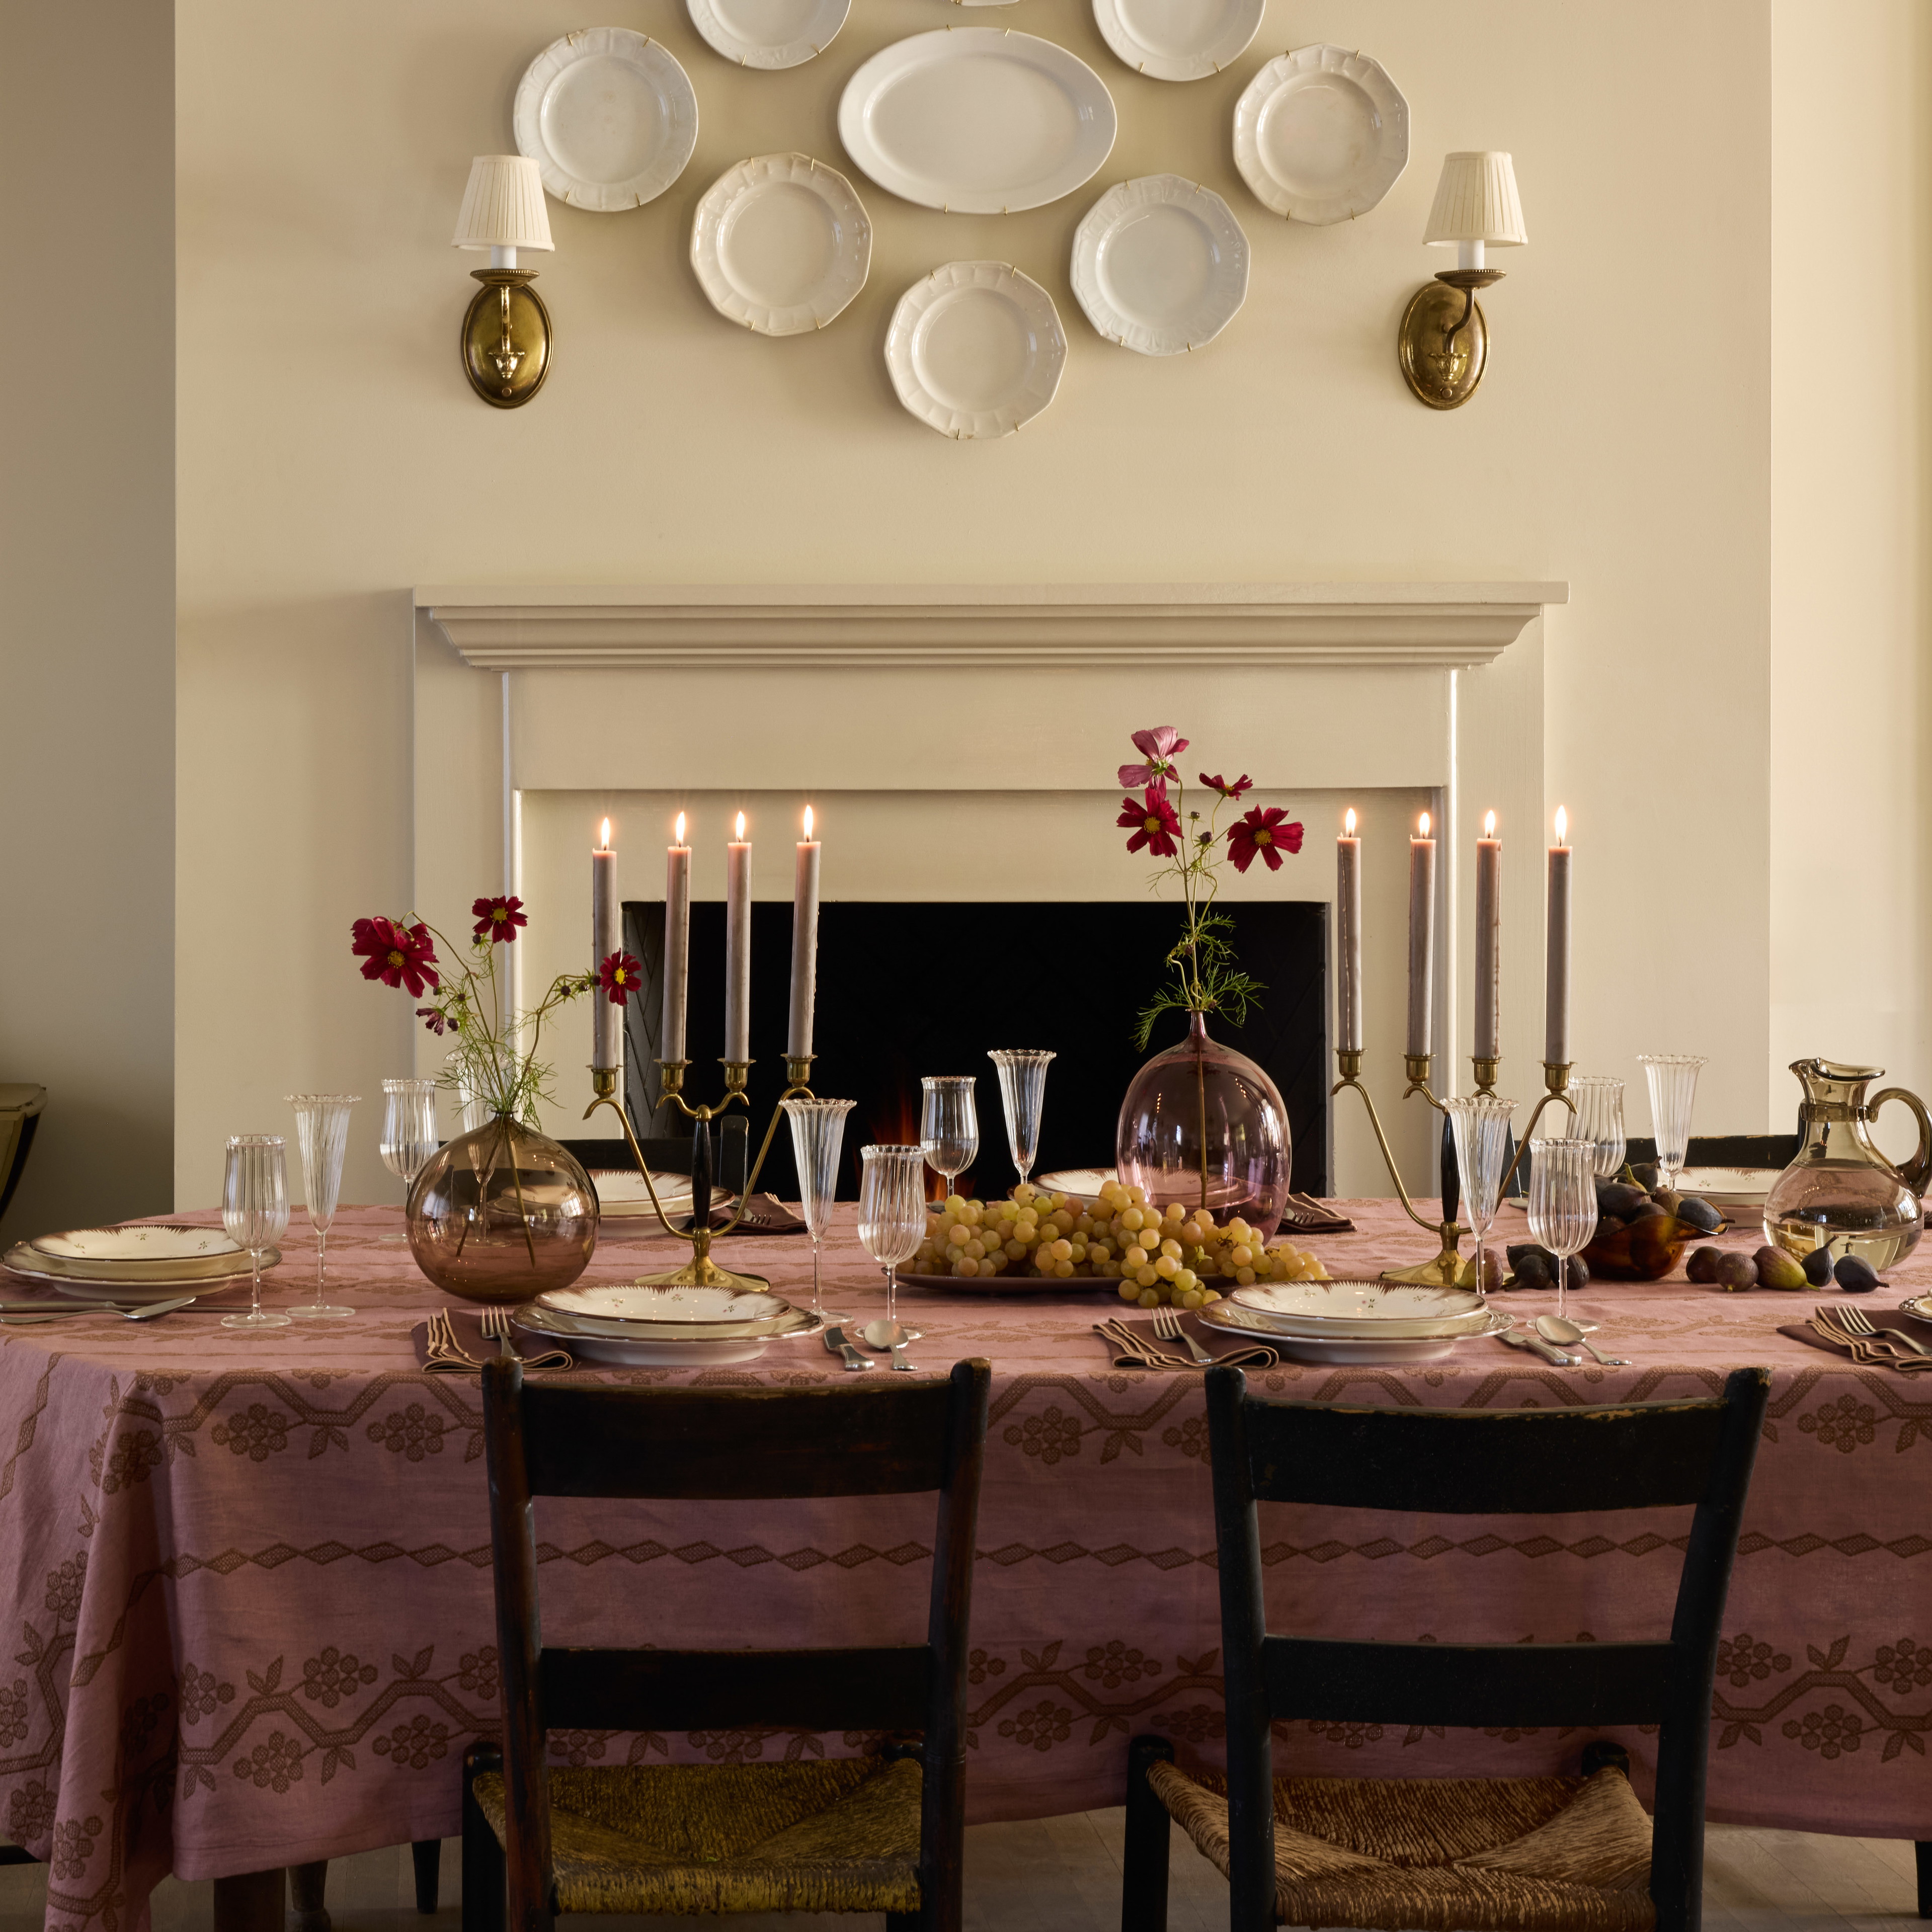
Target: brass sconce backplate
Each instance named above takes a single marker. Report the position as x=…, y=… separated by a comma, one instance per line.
x=506, y=338
x=1442, y=367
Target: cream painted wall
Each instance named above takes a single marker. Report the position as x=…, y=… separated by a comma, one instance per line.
x=332, y=456
x=1851, y=599
x=87, y=589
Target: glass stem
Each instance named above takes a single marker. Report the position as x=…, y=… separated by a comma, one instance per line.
x=321, y=1263
x=892, y=1289
x=817, y=1298
x=255, y=1287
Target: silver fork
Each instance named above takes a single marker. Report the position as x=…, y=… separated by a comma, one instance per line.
x=1856, y=1322
x=1167, y=1328
x=1864, y=1352
x=497, y=1329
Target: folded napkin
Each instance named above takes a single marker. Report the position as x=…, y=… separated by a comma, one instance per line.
x=1131, y=1344
x=452, y=1342
x=1307, y=1216
x=1876, y=1351
x=764, y=1214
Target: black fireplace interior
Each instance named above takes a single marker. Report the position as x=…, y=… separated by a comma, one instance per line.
x=906, y=990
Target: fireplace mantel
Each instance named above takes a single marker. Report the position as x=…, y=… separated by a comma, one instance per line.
x=699, y=627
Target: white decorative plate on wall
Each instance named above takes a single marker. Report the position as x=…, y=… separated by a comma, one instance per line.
x=769, y=34
x=977, y=120
x=1178, y=40
x=781, y=243
x=975, y=349
x=608, y=116
x=1160, y=265
x=1321, y=134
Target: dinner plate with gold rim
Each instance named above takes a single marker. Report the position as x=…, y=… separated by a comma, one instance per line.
x=1343, y=1350
x=137, y=1241
x=1364, y=1310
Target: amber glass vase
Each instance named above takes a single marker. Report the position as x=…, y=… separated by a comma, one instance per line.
x=501, y=1213
x=1203, y=1125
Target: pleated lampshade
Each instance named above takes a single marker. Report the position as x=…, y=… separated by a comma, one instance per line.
x=1475, y=201
x=503, y=206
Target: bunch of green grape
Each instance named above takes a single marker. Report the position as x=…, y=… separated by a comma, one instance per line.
x=1175, y=1256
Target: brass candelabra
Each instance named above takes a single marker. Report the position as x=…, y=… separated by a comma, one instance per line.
x=1448, y=1269
x=701, y=1271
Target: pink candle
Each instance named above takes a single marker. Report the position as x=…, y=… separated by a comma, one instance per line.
x=606, y=1048
x=1489, y=940
x=1348, y=935
x=1556, y=982
x=677, y=945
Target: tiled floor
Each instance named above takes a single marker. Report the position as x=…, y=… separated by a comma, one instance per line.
x=1062, y=1875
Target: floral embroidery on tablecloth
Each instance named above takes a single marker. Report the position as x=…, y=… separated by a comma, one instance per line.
x=257, y=1432
x=274, y=1766
x=334, y=1675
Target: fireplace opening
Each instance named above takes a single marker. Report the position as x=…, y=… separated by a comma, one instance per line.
x=910, y=989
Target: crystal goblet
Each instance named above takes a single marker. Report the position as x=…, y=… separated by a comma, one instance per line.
x=891, y=1210
x=1673, y=1092
x=1022, y=1090
x=1562, y=1203
x=1596, y=1115
x=322, y=1133
x=1481, y=1125
x=409, y=1126
x=948, y=1123
x=255, y=1211
x=817, y=1136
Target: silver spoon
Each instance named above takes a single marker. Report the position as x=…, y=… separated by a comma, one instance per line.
x=1535, y=1344
x=1555, y=1328
x=146, y=1314
x=884, y=1334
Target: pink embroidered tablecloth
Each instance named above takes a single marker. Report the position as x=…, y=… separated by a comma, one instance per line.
x=245, y=1579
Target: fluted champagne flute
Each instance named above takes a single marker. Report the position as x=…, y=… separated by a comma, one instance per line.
x=322, y=1133
x=1022, y=1092
x=892, y=1210
x=1673, y=1092
x=409, y=1126
x=255, y=1211
x=817, y=1137
x=1597, y=1108
x=1479, y=1124
x=949, y=1124
x=1562, y=1204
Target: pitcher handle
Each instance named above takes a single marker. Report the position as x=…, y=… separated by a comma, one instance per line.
x=1918, y=1173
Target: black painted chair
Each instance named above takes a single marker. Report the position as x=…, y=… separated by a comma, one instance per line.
x=1539, y=1853
x=877, y=1833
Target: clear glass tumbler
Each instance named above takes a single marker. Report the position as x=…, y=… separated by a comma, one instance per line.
x=1022, y=1091
x=322, y=1133
x=409, y=1126
x=255, y=1211
x=472, y=1108
x=892, y=1210
x=1596, y=1115
x=1562, y=1203
x=817, y=1139
x=948, y=1123
x=1673, y=1092
x=1480, y=1123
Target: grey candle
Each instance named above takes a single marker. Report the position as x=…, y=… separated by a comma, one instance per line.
x=804, y=944
x=606, y=1031
x=738, y=946
x=1349, y=936
x=1421, y=941
x=1489, y=940
x=677, y=945
x=1556, y=981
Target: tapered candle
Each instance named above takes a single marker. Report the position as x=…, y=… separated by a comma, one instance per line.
x=804, y=944
x=1489, y=940
x=1556, y=980
x=1348, y=938
x=1422, y=939
x=677, y=945
x=738, y=946
x=606, y=1048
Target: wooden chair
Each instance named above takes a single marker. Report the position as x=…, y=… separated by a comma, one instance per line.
x=881, y=1834
x=1542, y=1853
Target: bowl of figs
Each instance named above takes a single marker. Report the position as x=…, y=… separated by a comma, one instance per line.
x=1642, y=1232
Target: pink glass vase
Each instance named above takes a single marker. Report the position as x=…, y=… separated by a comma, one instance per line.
x=1203, y=1125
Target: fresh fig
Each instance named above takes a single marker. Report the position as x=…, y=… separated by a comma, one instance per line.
x=1489, y=1270
x=1532, y=1271
x=1620, y=1199
x=1736, y=1271
x=1855, y=1276
x=1699, y=1213
x=1777, y=1269
x=1648, y=1210
x=1703, y=1265
x=1576, y=1274
x=1818, y=1266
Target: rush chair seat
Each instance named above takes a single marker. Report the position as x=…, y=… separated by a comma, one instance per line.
x=878, y=1834
x=1455, y=1855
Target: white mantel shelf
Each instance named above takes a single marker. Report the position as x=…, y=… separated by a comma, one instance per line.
x=687, y=627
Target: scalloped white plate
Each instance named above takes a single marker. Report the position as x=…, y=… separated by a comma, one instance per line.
x=977, y=120
x=1160, y=265
x=1178, y=40
x=781, y=243
x=1322, y=134
x=769, y=34
x=1344, y=1350
x=1363, y=1310
x=141, y=1241
x=609, y=117
x=975, y=349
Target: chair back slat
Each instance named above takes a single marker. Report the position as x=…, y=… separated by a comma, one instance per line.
x=1467, y=1684
x=886, y=1689
x=1485, y=1462
x=738, y=1445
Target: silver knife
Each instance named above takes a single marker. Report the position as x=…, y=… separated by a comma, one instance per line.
x=1517, y=1338
x=836, y=1344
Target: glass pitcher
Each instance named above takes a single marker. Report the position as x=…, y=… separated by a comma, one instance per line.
x=1841, y=1192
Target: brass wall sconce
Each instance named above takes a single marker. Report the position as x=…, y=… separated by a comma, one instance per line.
x=1444, y=342
x=505, y=339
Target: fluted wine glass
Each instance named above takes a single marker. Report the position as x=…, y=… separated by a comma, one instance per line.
x=949, y=1124
x=1481, y=1125
x=1596, y=1115
x=1562, y=1203
x=892, y=1210
x=322, y=1133
x=409, y=1126
x=1022, y=1091
x=255, y=1211
x=1673, y=1092
x=817, y=1137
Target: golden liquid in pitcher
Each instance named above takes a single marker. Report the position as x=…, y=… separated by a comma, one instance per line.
x=1853, y=1208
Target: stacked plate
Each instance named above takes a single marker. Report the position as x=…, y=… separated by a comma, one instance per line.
x=149, y=1261
x=621, y=1194
x=641, y=1326
x=1356, y=1321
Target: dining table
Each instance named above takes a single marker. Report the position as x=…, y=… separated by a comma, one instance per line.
x=245, y=1576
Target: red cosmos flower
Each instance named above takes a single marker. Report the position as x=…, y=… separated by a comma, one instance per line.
x=1218, y=783
x=433, y=1019
x=396, y=954
x=1262, y=830
x=499, y=917
x=1153, y=823
x=620, y=975
x=1161, y=745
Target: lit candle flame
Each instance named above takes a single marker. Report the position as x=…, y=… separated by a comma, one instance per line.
x=1562, y=826
x=741, y=826
x=1422, y=827
x=1348, y=821
x=1489, y=825
x=808, y=822
x=603, y=839
x=680, y=828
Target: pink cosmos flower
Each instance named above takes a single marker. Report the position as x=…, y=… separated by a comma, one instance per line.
x=1154, y=822
x=1161, y=745
x=1218, y=783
